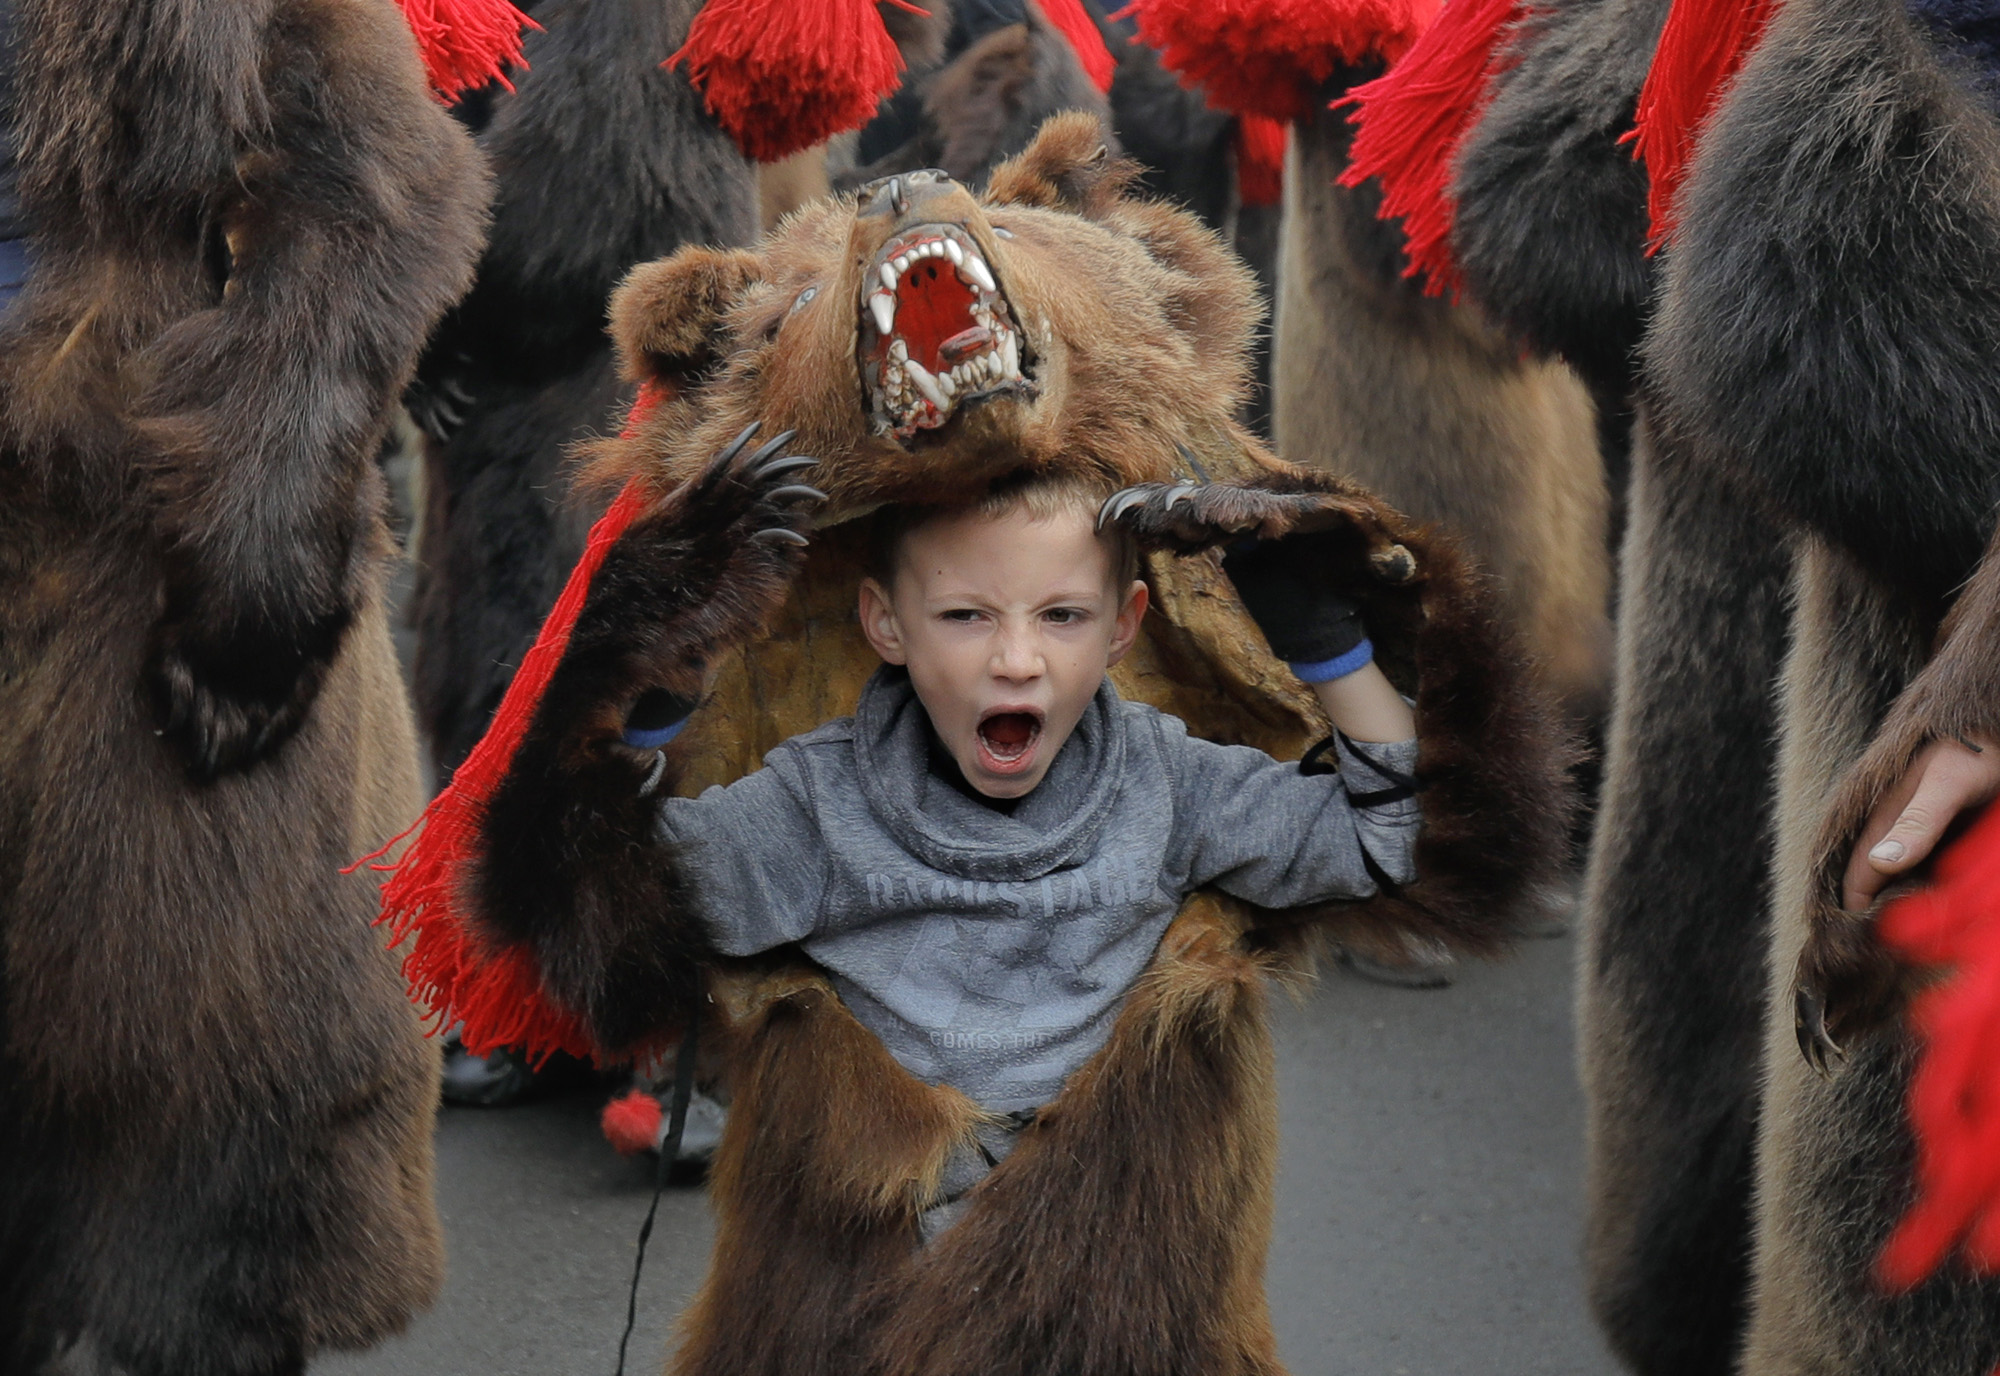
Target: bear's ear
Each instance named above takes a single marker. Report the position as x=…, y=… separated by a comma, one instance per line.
x=666, y=315
x=1068, y=167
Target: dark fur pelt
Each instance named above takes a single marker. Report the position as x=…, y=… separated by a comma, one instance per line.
x=1839, y=268
x=215, y=1100
x=1551, y=222
x=603, y=160
x=1847, y=358
x=1671, y=981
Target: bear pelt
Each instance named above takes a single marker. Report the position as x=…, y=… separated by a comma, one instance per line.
x=215, y=1100
x=1426, y=402
x=1838, y=267
x=1551, y=234
x=1119, y=356
x=601, y=160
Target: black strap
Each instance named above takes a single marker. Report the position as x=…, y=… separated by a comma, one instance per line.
x=1403, y=785
x=670, y=1148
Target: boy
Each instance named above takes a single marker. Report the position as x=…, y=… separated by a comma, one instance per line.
x=986, y=855
x=1002, y=1088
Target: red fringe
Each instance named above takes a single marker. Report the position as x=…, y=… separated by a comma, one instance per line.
x=467, y=43
x=1954, y=1102
x=1260, y=159
x=1410, y=123
x=1068, y=18
x=1270, y=57
x=782, y=76
x=631, y=1122
x=494, y=994
x=1702, y=47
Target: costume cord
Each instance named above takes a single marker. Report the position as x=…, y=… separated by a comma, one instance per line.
x=670, y=1148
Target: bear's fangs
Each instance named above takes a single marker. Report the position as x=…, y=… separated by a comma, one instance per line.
x=935, y=330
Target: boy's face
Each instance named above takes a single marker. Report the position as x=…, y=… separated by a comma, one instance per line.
x=1007, y=625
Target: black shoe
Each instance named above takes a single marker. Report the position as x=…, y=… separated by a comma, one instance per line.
x=502, y=1077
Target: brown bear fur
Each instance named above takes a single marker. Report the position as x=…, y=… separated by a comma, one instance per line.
x=1828, y=316
x=1428, y=404
x=215, y=1100
x=1146, y=1184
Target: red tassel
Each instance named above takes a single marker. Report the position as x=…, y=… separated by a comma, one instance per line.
x=1954, y=1097
x=1269, y=57
x=1260, y=159
x=784, y=75
x=1410, y=123
x=467, y=43
x=631, y=1122
x=495, y=995
x=1702, y=47
x=1067, y=18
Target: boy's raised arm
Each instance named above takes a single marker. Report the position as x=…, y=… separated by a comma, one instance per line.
x=1491, y=753
x=547, y=884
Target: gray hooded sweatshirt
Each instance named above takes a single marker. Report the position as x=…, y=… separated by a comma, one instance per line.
x=990, y=950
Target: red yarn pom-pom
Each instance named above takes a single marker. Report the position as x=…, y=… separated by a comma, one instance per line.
x=784, y=75
x=1954, y=1097
x=466, y=43
x=1702, y=47
x=1260, y=159
x=1269, y=57
x=631, y=1122
x=1410, y=123
x=1068, y=19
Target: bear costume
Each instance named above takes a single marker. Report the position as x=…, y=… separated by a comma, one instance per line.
x=1119, y=334
x=1814, y=480
x=215, y=1100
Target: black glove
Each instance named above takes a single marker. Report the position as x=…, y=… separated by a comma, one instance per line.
x=1288, y=587
x=657, y=718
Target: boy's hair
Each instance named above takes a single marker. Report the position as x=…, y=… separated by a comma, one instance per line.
x=1041, y=497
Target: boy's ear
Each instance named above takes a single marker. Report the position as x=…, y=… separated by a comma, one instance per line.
x=1130, y=613
x=878, y=623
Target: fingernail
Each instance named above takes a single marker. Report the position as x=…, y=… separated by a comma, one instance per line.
x=1888, y=852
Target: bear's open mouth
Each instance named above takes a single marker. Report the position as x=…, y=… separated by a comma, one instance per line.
x=935, y=330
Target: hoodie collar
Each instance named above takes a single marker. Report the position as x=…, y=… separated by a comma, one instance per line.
x=1055, y=826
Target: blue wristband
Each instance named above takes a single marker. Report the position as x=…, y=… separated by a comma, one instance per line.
x=652, y=739
x=1340, y=666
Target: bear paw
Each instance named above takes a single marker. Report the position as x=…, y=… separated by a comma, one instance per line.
x=1188, y=517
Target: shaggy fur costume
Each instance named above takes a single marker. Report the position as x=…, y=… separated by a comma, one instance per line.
x=1827, y=328
x=1551, y=234
x=1816, y=408
x=603, y=160
x=1146, y=1183
x=1425, y=402
x=215, y=1101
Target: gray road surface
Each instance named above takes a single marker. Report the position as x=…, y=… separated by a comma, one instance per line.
x=1427, y=1218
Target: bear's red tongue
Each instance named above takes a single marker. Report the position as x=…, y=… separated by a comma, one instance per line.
x=1008, y=733
x=933, y=309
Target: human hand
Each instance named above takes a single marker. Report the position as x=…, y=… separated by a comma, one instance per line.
x=1947, y=778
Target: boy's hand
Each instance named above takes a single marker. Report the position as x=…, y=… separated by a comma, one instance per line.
x=1286, y=555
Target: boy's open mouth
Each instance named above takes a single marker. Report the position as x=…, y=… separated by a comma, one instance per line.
x=1007, y=740
x=935, y=330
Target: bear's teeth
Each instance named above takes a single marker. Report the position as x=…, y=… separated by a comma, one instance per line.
x=932, y=389
x=1010, y=355
x=889, y=276
x=976, y=268
x=954, y=252
x=948, y=385
x=898, y=350
x=883, y=305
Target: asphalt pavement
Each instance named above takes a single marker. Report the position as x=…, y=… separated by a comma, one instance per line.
x=1428, y=1207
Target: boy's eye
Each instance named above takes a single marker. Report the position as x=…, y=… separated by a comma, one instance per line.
x=962, y=615
x=1064, y=616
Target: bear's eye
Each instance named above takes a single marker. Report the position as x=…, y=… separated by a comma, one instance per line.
x=808, y=294
x=1003, y=233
